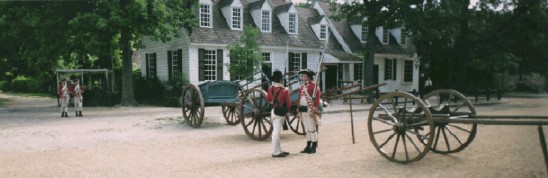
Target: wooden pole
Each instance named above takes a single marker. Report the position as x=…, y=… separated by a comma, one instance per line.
x=351, y=119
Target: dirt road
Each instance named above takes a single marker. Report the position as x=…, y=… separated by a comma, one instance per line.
x=152, y=142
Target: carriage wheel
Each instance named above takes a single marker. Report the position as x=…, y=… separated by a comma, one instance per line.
x=295, y=124
x=192, y=103
x=398, y=123
x=255, y=114
x=451, y=137
x=231, y=113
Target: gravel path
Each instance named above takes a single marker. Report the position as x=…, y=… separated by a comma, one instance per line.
x=152, y=142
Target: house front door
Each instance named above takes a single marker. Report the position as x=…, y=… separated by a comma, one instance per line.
x=331, y=76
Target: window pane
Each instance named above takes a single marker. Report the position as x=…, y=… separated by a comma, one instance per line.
x=205, y=15
x=265, y=21
x=408, y=71
x=365, y=31
x=210, y=65
x=384, y=35
x=297, y=61
x=323, y=31
x=292, y=23
x=236, y=15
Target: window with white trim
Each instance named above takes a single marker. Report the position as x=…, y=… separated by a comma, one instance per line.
x=408, y=71
x=390, y=66
x=358, y=71
x=237, y=18
x=265, y=19
x=267, y=64
x=210, y=65
x=292, y=23
x=151, y=65
x=365, y=31
x=323, y=32
x=296, y=61
x=384, y=35
x=205, y=15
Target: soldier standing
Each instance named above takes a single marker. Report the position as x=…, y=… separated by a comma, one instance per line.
x=63, y=90
x=309, y=101
x=77, y=91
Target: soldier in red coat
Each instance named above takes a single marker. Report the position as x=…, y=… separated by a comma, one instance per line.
x=63, y=90
x=77, y=98
x=309, y=102
x=278, y=95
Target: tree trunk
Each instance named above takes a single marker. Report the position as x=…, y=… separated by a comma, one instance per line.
x=128, y=97
x=368, y=60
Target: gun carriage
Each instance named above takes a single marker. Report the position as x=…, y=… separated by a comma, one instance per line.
x=404, y=128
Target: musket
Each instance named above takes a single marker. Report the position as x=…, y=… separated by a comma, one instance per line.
x=319, y=68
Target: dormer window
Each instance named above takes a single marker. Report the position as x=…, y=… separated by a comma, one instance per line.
x=385, y=35
x=323, y=32
x=403, y=36
x=365, y=31
x=292, y=23
x=265, y=21
x=237, y=18
x=205, y=15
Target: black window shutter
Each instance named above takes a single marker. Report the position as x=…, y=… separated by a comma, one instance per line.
x=201, y=64
x=169, y=65
x=219, y=64
x=290, y=60
x=386, y=69
x=153, y=65
x=394, y=69
x=304, y=61
x=147, y=64
x=180, y=63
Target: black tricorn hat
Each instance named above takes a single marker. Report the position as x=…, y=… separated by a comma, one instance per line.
x=277, y=76
x=308, y=72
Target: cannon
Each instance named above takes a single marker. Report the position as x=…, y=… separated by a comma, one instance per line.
x=404, y=128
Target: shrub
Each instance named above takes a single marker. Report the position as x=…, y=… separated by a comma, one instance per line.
x=4, y=86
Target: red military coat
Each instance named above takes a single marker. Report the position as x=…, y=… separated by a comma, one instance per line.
x=309, y=87
x=60, y=90
x=282, y=98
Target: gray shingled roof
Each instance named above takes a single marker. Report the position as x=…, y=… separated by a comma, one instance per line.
x=222, y=34
x=282, y=8
x=355, y=44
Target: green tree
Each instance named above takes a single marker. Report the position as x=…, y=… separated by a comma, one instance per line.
x=246, y=55
x=378, y=13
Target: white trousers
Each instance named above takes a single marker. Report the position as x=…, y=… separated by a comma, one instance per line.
x=78, y=103
x=277, y=122
x=309, y=127
x=64, y=104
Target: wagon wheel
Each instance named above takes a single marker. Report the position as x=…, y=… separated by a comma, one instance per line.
x=231, y=112
x=398, y=123
x=451, y=137
x=255, y=114
x=295, y=124
x=192, y=103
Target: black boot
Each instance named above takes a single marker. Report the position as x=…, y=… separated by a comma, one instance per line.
x=81, y=114
x=76, y=113
x=66, y=114
x=62, y=114
x=313, y=147
x=307, y=148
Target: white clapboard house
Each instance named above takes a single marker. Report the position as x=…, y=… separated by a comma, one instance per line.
x=291, y=38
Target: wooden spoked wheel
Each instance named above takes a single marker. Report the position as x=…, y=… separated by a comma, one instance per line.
x=400, y=127
x=255, y=114
x=231, y=112
x=295, y=124
x=192, y=103
x=451, y=137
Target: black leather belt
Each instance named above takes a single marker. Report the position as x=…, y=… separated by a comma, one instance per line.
x=303, y=108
